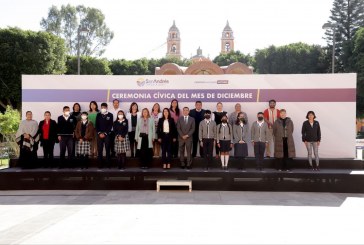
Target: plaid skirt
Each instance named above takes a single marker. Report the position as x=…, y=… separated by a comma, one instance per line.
x=83, y=148
x=122, y=146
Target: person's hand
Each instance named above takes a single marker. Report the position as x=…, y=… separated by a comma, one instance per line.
x=305, y=143
x=160, y=140
x=253, y=143
x=218, y=145
x=174, y=140
x=318, y=143
x=102, y=135
x=59, y=138
x=81, y=140
x=231, y=145
x=201, y=144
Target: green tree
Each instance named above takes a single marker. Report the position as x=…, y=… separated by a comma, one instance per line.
x=89, y=66
x=27, y=52
x=291, y=59
x=9, y=124
x=348, y=15
x=142, y=66
x=65, y=23
x=232, y=57
x=358, y=61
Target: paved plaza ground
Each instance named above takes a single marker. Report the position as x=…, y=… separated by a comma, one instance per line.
x=179, y=217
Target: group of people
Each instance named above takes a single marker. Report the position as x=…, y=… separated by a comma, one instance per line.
x=169, y=132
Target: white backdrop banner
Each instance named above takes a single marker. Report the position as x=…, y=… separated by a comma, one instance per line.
x=331, y=96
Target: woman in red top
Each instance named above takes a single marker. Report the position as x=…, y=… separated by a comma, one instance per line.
x=48, y=137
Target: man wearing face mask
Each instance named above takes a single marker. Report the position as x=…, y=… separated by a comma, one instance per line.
x=259, y=137
x=66, y=128
x=104, y=122
x=207, y=137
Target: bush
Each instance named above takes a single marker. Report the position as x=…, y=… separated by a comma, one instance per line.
x=9, y=124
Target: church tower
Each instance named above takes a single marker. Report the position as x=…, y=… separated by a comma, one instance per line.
x=227, y=39
x=173, y=42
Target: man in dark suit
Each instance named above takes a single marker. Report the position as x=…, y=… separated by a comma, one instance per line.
x=185, y=129
x=198, y=114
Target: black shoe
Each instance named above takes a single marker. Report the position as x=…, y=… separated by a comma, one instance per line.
x=183, y=167
x=189, y=167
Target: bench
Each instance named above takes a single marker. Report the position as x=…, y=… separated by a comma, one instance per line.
x=174, y=183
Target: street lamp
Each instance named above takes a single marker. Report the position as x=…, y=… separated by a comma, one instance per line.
x=332, y=26
x=79, y=30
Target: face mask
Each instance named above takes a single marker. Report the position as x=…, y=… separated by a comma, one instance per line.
x=84, y=117
x=224, y=121
x=103, y=110
x=260, y=118
x=66, y=113
x=120, y=116
x=207, y=116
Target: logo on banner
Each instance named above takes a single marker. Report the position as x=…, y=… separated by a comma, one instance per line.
x=152, y=82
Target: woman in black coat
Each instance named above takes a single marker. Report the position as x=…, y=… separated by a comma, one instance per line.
x=47, y=132
x=167, y=134
x=311, y=136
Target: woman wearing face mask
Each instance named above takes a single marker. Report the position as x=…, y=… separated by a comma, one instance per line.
x=224, y=141
x=84, y=134
x=240, y=139
x=122, y=144
x=284, y=148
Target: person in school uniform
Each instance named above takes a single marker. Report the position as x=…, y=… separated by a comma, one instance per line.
x=217, y=116
x=224, y=141
x=260, y=136
x=66, y=130
x=114, y=111
x=240, y=139
x=207, y=136
x=122, y=143
x=104, y=123
x=84, y=134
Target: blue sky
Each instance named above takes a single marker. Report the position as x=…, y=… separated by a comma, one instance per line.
x=141, y=26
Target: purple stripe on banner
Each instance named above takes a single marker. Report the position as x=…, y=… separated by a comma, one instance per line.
x=188, y=95
x=309, y=95
x=63, y=95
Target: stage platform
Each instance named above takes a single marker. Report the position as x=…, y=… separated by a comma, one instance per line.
x=339, y=175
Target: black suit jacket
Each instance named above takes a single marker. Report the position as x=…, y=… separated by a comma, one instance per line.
x=52, y=131
x=172, y=128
